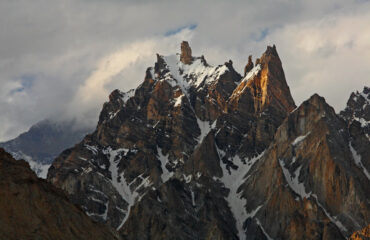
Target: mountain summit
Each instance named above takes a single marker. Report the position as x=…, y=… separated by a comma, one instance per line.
x=202, y=152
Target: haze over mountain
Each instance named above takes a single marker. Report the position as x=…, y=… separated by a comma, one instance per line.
x=43, y=142
x=31, y=208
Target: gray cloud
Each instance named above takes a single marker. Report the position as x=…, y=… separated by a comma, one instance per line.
x=54, y=53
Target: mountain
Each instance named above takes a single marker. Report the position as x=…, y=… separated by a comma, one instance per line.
x=43, y=142
x=358, y=109
x=315, y=188
x=31, y=208
x=202, y=152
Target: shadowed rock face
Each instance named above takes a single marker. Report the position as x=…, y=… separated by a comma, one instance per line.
x=315, y=190
x=357, y=117
x=249, y=66
x=200, y=152
x=31, y=208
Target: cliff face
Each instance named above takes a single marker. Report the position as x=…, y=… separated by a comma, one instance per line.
x=200, y=152
x=357, y=117
x=315, y=189
x=31, y=208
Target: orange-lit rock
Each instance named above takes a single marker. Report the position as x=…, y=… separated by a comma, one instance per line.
x=363, y=234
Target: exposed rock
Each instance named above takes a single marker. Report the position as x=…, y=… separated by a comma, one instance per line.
x=363, y=234
x=31, y=208
x=358, y=108
x=314, y=187
x=196, y=152
x=249, y=66
x=186, y=56
x=357, y=117
x=181, y=210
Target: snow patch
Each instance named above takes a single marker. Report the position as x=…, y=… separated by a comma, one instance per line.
x=40, y=169
x=299, y=139
x=127, y=95
x=205, y=127
x=164, y=160
x=333, y=219
x=362, y=121
x=357, y=159
x=187, y=178
x=106, y=204
x=192, y=197
x=263, y=230
x=194, y=74
x=252, y=72
x=93, y=149
x=293, y=181
x=113, y=114
x=119, y=183
x=178, y=100
x=232, y=181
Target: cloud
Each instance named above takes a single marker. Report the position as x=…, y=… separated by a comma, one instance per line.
x=78, y=51
x=329, y=56
x=113, y=71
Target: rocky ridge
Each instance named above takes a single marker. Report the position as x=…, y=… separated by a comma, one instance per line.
x=31, y=208
x=200, y=152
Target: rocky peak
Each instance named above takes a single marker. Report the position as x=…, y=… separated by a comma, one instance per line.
x=271, y=88
x=309, y=166
x=249, y=66
x=191, y=135
x=358, y=108
x=186, y=56
x=159, y=65
x=319, y=104
x=266, y=85
x=302, y=120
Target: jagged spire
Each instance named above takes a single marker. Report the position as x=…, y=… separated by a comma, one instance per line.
x=249, y=65
x=185, y=56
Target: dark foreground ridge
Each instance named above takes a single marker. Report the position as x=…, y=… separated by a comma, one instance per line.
x=31, y=208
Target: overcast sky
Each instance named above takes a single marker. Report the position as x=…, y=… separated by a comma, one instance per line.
x=61, y=59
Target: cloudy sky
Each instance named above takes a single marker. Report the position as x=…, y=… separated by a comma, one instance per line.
x=61, y=59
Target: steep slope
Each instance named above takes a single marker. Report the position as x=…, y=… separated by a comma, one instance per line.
x=307, y=185
x=357, y=116
x=358, y=109
x=43, y=142
x=195, y=153
x=31, y=208
x=174, y=126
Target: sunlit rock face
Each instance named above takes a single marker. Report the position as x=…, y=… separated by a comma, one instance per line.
x=201, y=152
x=363, y=234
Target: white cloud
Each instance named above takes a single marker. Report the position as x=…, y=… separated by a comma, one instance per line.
x=329, y=56
x=124, y=69
x=80, y=50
